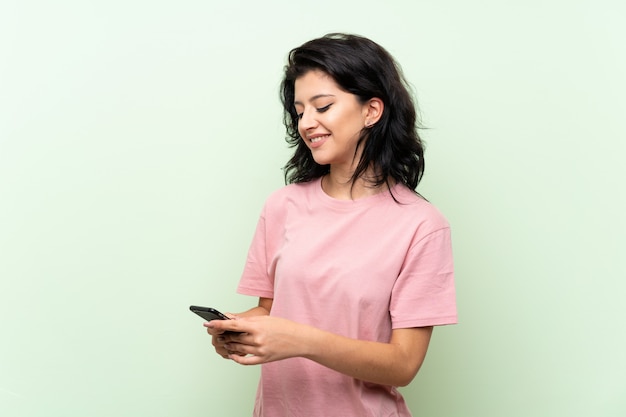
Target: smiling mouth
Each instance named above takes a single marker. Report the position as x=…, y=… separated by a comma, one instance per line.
x=317, y=138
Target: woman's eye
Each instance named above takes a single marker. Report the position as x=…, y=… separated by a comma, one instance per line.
x=319, y=110
x=323, y=109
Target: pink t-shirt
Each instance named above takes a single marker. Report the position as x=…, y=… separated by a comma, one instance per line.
x=358, y=268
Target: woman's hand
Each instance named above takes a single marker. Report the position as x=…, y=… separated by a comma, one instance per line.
x=220, y=338
x=261, y=339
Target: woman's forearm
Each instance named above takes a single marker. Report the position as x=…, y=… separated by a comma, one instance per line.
x=265, y=339
x=262, y=309
x=395, y=363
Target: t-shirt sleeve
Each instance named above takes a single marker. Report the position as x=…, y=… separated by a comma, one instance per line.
x=424, y=293
x=257, y=279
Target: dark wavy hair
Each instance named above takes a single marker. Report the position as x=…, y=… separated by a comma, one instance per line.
x=359, y=66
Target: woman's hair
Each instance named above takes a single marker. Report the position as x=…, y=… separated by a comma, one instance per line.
x=361, y=67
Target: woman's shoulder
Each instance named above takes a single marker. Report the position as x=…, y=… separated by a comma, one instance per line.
x=290, y=190
x=297, y=191
x=410, y=204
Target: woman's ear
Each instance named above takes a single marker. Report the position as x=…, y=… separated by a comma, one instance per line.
x=373, y=111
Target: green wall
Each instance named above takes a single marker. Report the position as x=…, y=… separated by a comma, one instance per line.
x=139, y=139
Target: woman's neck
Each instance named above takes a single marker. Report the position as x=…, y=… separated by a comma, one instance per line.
x=340, y=185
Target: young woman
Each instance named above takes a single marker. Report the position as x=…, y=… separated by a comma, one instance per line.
x=351, y=266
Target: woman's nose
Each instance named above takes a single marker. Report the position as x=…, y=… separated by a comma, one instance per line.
x=307, y=120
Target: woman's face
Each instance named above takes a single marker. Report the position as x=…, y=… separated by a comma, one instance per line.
x=330, y=119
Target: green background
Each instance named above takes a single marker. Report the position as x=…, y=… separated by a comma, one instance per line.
x=139, y=139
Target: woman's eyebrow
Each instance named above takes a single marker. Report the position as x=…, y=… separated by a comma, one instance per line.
x=315, y=97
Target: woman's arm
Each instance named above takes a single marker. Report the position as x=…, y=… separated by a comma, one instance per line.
x=395, y=363
x=267, y=339
x=262, y=309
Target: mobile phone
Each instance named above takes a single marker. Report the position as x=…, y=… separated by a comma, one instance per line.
x=208, y=313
